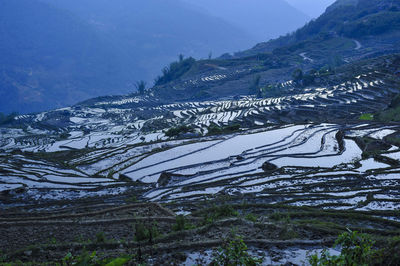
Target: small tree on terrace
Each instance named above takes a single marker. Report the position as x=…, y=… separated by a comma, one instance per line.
x=141, y=86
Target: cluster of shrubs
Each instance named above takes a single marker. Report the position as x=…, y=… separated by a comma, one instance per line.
x=311, y=77
x=175, y=70
x=176, y=131
x=7, y=119
x=216, y=130
x=361, y=23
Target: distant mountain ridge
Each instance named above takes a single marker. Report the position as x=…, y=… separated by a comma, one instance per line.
x=56, y=53
x=264, y=19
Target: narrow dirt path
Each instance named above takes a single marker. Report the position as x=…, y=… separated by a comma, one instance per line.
x=358, y=45
x=306, y=58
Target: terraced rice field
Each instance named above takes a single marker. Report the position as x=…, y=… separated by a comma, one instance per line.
x=110, y=146
x=312, y=165
x=69, y=174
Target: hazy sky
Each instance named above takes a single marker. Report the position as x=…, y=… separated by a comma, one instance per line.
x=263, y=19
x=312, y=8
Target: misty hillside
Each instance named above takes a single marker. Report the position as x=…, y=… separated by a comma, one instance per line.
x=347, y=32
x=47, y=54
x=311, y=7
x=58, y=53
x=156, y=31
x=353, y=19
x=263, y=19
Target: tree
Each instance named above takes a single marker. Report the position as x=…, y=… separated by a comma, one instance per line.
x=255, y=85
x=356, y=249
x=234, y=252
x=175, y=70
x=7, y=119
x=297, y=75
x=141, y=86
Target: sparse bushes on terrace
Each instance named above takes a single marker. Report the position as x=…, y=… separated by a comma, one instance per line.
x=149, y=232
x=86, y=258
x=356, y=249
x=141, y=86
x=218, y=212
x=367, y=117
x=216, y=130
x=255, y=85
x=101, y=237
x=6, y=119
x=181, y=224
x=175, y=70
x=176, y=131
x=234, y=252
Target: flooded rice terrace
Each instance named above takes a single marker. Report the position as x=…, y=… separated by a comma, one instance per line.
x=302, y=165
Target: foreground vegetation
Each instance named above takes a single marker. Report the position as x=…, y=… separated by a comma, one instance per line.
x=234, y=234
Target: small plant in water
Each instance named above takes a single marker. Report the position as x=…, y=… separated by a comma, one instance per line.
x=356, y=249
x=234, y=252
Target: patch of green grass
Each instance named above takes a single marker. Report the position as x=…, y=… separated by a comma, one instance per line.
x=216, y=130
x=218, y=212
x=176, y=131
x=101, y=237
x=86, y=258
x=251, y=217
x=367, y=117
x=148, y=232
x=234, y=252
x=391, y=114
x=182, y=224
x=357, y=249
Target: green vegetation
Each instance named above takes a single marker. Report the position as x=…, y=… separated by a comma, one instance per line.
x=286, y=227
x=367, y=18
x=175, y=70
x=218, y=212
x=277, y=216
x=182, y=224
x=176, y=131
x=356, y=249
x=255, y=85
x=367, y=117
x=101, y=237
x=216, y=130
x=7, y=119
x=313, y=76
x=234, y=252
x=86, y=258
x=141, y=86
x=251, y=217
x=149, y=232
x=391, y=114
x=372, y=24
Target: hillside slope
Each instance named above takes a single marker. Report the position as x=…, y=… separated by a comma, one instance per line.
x=342, y=35
x=362, y=19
